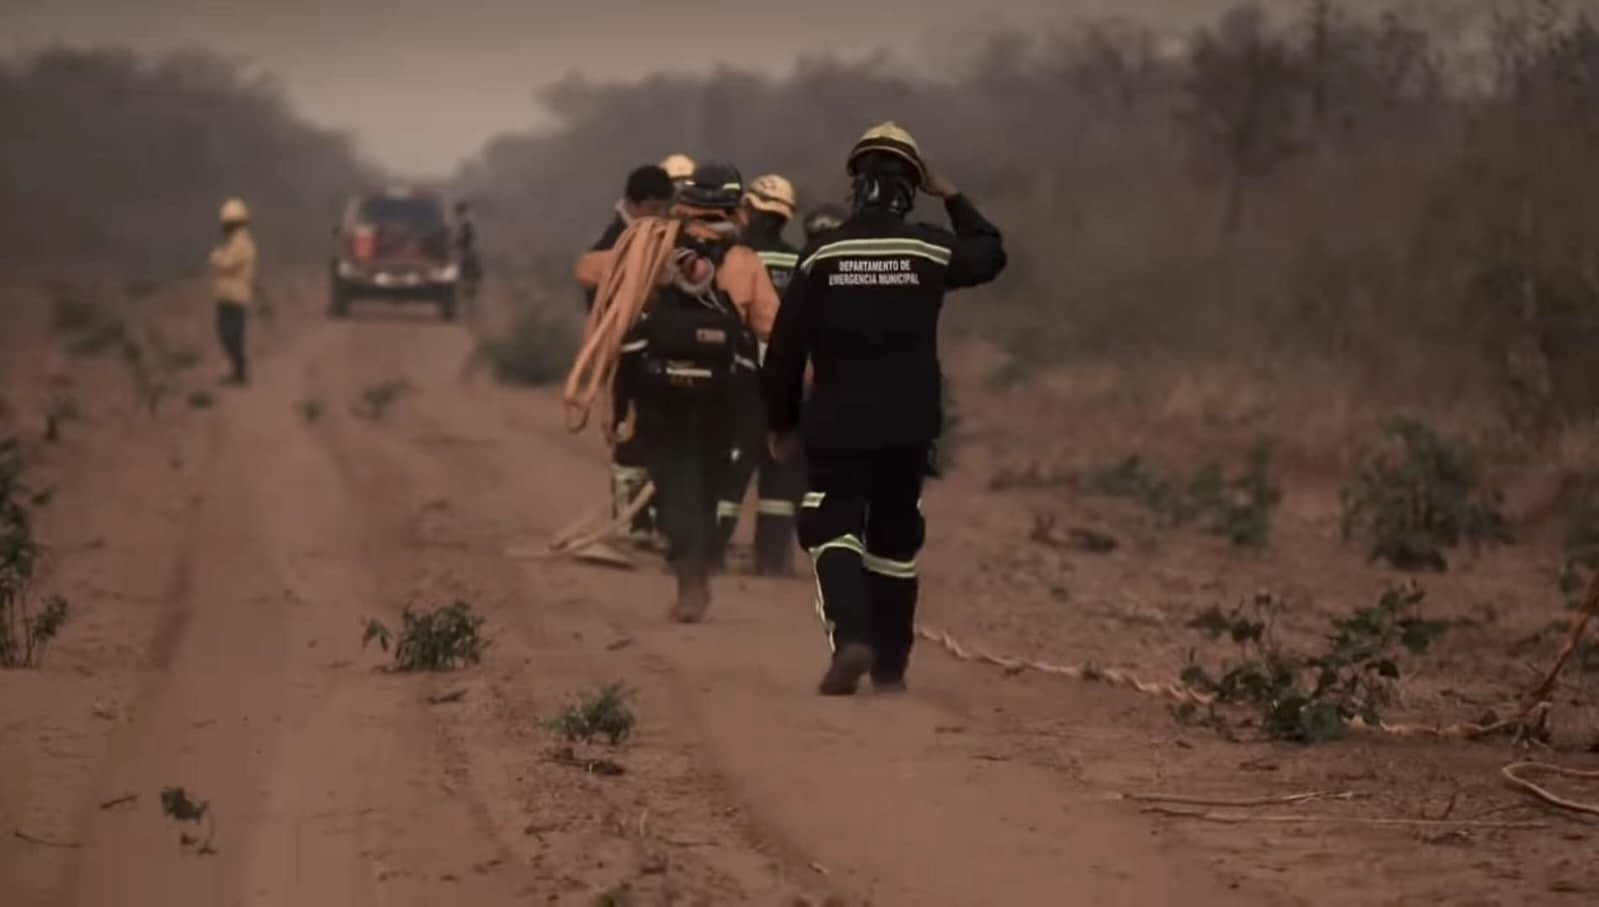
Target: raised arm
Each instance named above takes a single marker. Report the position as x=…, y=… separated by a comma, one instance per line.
x=978, y=255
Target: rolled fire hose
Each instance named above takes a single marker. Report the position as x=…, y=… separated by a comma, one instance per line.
x=639, y=256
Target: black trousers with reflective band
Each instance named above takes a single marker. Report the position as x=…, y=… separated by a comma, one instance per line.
x=778, y=489
x=231, y=320
x=862, y=523
x=686, y=448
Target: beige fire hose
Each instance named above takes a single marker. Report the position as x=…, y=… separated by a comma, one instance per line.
x=639, y=257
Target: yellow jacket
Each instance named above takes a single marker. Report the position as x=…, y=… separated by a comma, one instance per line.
x=233, y=268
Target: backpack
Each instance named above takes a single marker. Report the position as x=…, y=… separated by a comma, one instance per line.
x=686, y=348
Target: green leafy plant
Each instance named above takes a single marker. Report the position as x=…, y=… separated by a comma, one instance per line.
x=602, y=713
x=25, y=630
x=1310, y=699
x=439, y=640
x=1417, y=494
x=1239, y=508
x=179, y=806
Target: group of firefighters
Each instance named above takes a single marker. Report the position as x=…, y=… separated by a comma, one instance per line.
x=814, y=368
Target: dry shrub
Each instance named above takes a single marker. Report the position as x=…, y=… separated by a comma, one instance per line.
x=111, y=159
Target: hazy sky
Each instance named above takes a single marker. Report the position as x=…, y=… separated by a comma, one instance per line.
x=421, y=83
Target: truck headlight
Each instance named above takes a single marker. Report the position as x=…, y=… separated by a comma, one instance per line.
x=446, y=273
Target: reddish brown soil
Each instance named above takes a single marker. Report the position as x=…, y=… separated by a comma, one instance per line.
x=222, y=562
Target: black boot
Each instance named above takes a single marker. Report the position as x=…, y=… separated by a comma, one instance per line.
x=774, y=545
x=693, y=592
x=843, y=676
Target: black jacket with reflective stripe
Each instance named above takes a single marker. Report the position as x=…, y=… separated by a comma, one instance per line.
x=778, y=255
x=863, y=309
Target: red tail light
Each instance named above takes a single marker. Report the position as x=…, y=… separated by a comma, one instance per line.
x=363, y=243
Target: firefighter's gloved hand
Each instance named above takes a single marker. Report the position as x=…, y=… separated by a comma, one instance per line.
x=935, y=184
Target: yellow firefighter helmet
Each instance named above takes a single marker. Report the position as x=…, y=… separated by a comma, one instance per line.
x=771, y=193
x=678, y=166
x=889, y=138
x=234, y=212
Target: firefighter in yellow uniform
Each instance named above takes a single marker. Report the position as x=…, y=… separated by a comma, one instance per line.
x=709, y=205
x=233, y=279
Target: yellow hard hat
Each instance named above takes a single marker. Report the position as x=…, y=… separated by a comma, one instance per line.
x=234, y=212
x=889, y=137
x=771, y=193
x=678, y=166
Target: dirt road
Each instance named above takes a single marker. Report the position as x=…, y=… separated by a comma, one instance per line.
x=225, y=560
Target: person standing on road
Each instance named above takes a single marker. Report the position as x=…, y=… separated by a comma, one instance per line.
x=769, y=204
x=466, y=252
x=233, y=282
x=647, y=193
x=863, y=311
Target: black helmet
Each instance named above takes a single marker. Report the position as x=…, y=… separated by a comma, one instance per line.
x=715, y=185
x=824, y=217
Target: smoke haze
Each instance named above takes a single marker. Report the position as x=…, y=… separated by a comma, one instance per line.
x=421, y=84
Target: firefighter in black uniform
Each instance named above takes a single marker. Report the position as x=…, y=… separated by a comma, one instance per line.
x=697, y=341
x=648, y=192
x=768, y=207
x=721, y=300
x=863, y=310
x=679, y=364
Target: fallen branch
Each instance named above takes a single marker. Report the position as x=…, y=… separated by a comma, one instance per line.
x=1253, y=801
x=44, y=842
x=1244, y=819
x=118, y=801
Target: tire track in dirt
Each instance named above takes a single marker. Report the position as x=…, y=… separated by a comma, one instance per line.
x=318, y=772
x=898, y=800
x=662, y=833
